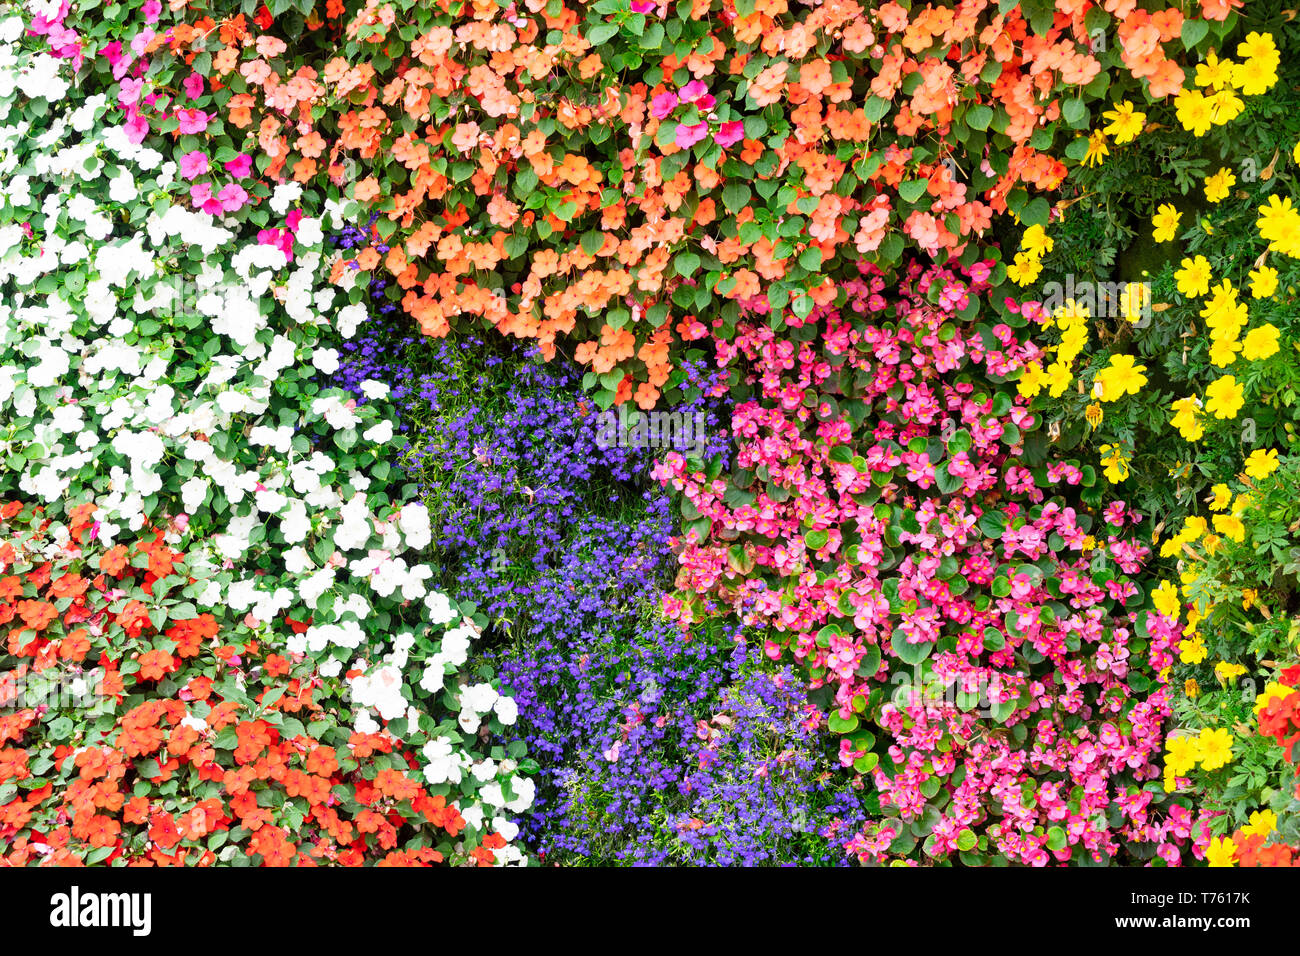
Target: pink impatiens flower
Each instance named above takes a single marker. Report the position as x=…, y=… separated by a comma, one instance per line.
x=193, y=86
x=688, y=136
x=729, y=133
x=240, y=166
x=192, y=121
x=663, y=104
x=194, y=164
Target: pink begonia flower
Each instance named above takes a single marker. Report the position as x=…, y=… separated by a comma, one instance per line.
x=194, y=164
x=193, y=85
x=232, y=197
x=240, y=166
x=663, y=104
x=729, y=133
x=192, y=121
x=688, y=136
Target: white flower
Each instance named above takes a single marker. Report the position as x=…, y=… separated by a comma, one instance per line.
x=327, y=360
x=507, y=710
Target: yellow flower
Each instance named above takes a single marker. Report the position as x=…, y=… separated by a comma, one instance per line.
x=1182, y=752
x=1226, y=106
x=1248, y=596
x=1214, y=72
x=1218, y=185
x=1121, y=377
x=1165, y=222
x=1194, y=111
x=1134, y=301
x=1279, y=223
x=1261, y=463
x=1115, y=462
x=1263, y=281
x=1272, y=691
x=1226, y=672
x=1215, y=747
x=1262, y=823
x=1024, y=269
x=1223, y=399
x=1230, y=527
x=1260, y=342
x=1125, y=122
x=1031, y=380
x=1194, y=526
x=1187, y=418
x=1221, y=497
x=1097, y=149
x=1295, y=152
x=1036, y=241
x=1193, y=276
x=1254, y=76
x=1166, y=600
x=1093, y=414
x=1223, y=351
x=1192, y=651
x=1191, y=688
x=1259, y=46
x=1221, y=852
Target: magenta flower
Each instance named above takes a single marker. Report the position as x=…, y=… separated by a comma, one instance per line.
x=137, y=128
x=129, y=91
x=642, y=6
x=193, y=86
x=200, y=193
x=688, y=136
x=663, y=104
x=729, y=133
x=151, y=9
x=240, y=166
x=693, y=90
x=194, y=164
x=192, y=121
x=232, y=197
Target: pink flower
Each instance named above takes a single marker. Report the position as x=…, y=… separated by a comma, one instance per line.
x=194, y=164
x=232, y=197
x=193, y=86
x=693, y=90
x=137, y=128
x=240, y=166
x=663, y=104
x=729, y=133
x=151, y=9
x=192, y=121
x=688, y=136
x=642, y=6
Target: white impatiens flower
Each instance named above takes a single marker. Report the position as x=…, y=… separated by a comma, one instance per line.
x=414, y=524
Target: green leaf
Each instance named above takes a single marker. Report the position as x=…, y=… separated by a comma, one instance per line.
x=979, y=117
x=1194, y=32
x=909, y=653
x=735, y=196
x=600, y=33
x=686, y=263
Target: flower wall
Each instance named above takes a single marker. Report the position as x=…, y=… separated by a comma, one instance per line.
x=315, y=318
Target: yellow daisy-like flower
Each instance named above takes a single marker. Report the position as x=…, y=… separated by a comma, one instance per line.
x=1260, y=342
x=1166, y=600
x=1225, y=106
x=1263, y=281
x=1215, y=747
x=1121, y=377
x=1214, y=72
x=1261, y=463
x=1295, y=152
x=1036, y=241
x=1032, y=380
x=1259, y=46
x=1224, y=397
x=1193, y=276
x=1262, y=823
x=1192, y=650
x=1230, y=526
x=1225, y=672
x=1218, y=185
x=1279, y=223
x=1097, y=149
x=1165, y=222
x=1195, y=111
x=1115, y=462
x=1221, y=497
x=1221, y=852
x=1187, y=418
x=1125, y=122
x=1024, y=269
x=1182, y=751
x=1223, y=351
x=1135, y=301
